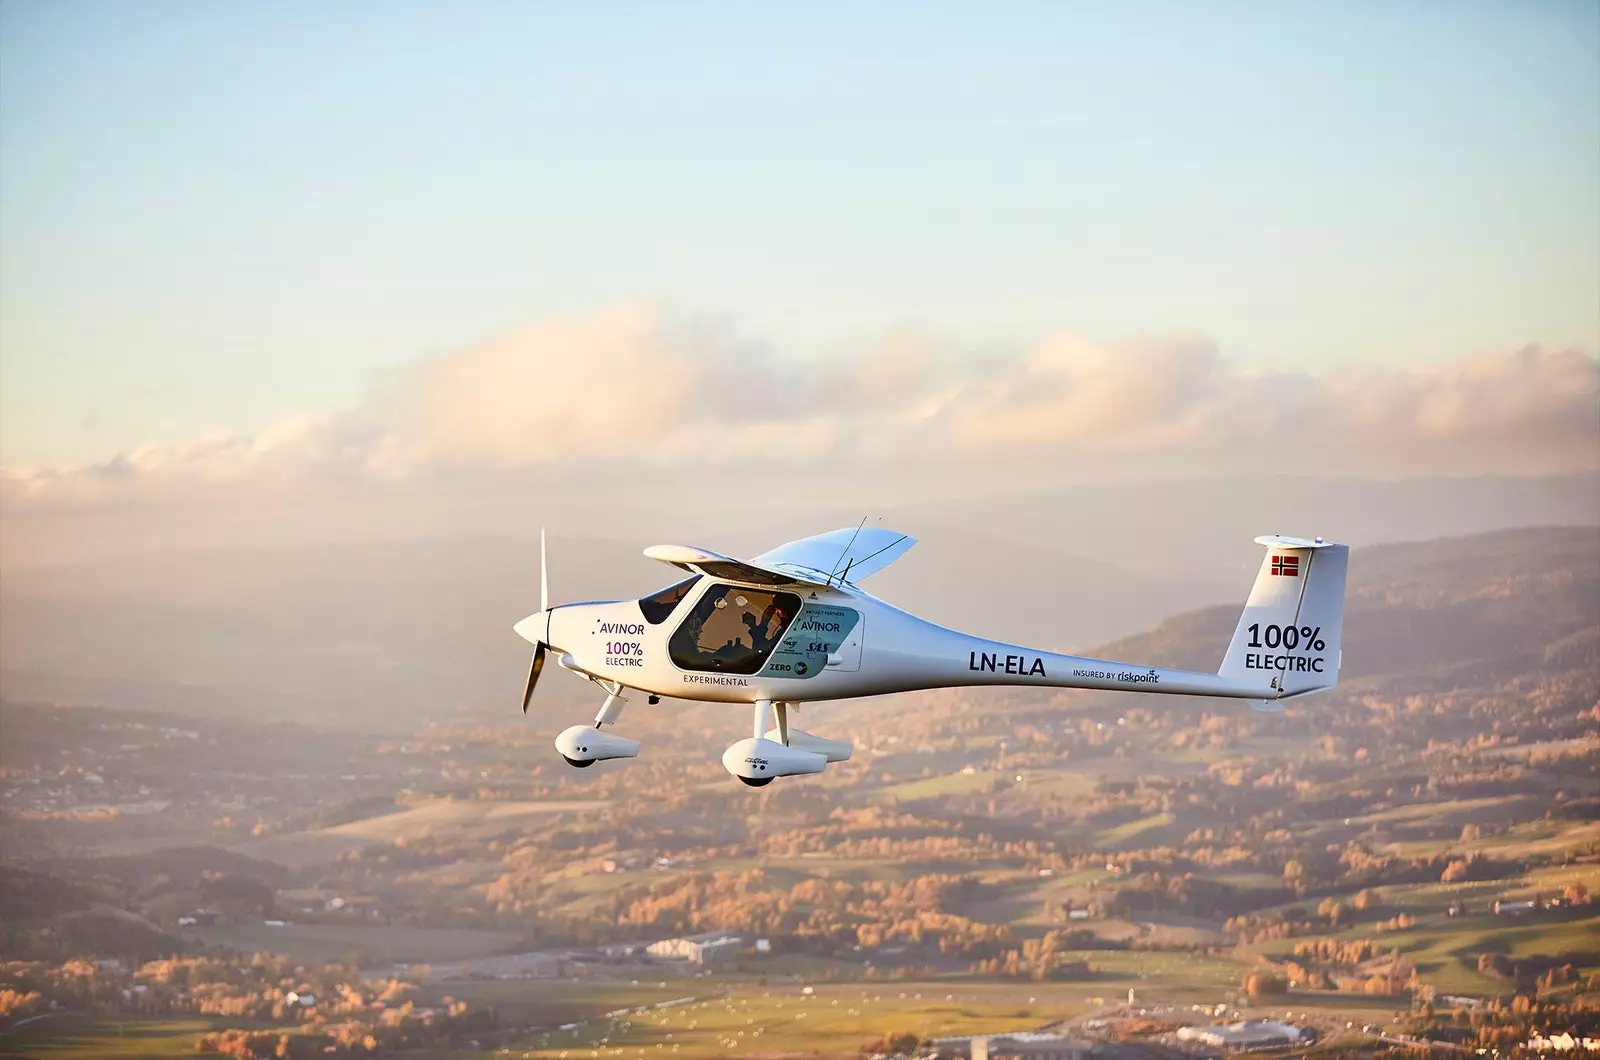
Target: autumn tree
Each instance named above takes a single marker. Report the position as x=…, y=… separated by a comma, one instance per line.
x=1495, y=966
x=1265, y=984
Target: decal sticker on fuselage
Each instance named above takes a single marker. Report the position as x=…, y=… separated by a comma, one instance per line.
x=1127, y=677
x=624, y=653
x=983, y=662
x=818, y=631
x=621, y=652
x=1307, y=641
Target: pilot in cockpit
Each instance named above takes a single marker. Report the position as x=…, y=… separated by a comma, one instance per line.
x=758, y=631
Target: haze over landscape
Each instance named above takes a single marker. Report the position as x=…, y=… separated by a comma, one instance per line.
x=312, y=317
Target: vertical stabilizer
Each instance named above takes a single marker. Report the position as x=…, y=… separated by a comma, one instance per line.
x=1287, y=640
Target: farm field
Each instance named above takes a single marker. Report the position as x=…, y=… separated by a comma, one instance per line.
x=1445, y=949
x=463, y=817
x=556, y=1001
x=375, y=944
x=833, y=1020
x=84, y=1037
x=1159, y=858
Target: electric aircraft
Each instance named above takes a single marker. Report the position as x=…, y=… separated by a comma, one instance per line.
x=793, y=626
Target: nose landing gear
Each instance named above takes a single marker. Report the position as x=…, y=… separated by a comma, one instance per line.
x=584, y=745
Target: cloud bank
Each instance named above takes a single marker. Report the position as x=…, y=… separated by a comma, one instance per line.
x=637, y=387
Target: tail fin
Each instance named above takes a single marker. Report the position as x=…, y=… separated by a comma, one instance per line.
x=1287, y=640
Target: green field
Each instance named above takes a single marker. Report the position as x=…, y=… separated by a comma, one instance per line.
x=553, y=1001
x=459, y=816
x=956, y=783
x=834, y=1020
x=1445, y=949
x=1135, y=834
x=77, y=1036
x=375, y=944
x=838, y=1019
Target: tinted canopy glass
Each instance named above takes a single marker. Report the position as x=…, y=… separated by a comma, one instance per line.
x=732, y=629
x=658, y=607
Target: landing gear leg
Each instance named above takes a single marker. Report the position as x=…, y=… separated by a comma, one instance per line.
x=610, y=710
x=765, y=755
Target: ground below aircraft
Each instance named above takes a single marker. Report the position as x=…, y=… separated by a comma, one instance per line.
x=793, y=626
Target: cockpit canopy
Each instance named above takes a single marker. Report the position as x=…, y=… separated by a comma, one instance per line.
x=658, y=607
x=730, y=629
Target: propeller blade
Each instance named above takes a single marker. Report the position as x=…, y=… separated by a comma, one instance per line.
x=533, y=674
x=544, y=576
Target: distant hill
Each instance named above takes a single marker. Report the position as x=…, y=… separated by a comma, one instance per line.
x=1501, y=601
x=395, y=630
x=1192, y=525
x=1474, y=612
x=173, y=867
x=1449, y=632
x=47, y=916
x=382, y=633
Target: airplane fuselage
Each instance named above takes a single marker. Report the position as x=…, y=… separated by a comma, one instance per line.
x=791, y=627
x=820, y=644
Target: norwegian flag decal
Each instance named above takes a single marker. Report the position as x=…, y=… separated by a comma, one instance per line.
x=1287, y=566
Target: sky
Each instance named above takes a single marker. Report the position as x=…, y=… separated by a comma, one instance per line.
x=251, y=242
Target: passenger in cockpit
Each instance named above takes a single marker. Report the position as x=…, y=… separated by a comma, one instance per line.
x=758, y=632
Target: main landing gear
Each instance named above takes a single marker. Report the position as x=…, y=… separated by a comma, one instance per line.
x=780, y=752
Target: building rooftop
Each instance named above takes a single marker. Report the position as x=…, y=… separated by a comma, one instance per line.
x=1248, y=1032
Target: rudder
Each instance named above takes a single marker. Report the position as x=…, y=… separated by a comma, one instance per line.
x=1287, y=640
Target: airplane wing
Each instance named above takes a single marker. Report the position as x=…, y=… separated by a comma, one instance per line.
x=809, y=561
x=860, y=550
x=701, y=561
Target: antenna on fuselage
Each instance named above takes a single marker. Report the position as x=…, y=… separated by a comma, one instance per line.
x=845, y=553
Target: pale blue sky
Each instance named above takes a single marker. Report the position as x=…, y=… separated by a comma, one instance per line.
x=214, y=215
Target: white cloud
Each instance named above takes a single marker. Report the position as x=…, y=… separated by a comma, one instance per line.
x=638, y=387
x=596, y=387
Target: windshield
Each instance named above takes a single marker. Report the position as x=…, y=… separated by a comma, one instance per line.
x=658, y=607
x=732, y=629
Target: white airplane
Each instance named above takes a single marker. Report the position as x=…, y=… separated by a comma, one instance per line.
x=792, y=626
